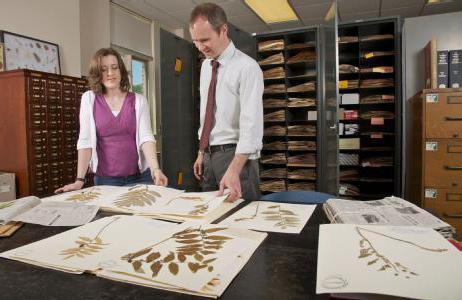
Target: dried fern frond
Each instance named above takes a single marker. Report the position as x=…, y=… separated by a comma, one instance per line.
x=138, y=196
x=85, y=196
x=87, y=246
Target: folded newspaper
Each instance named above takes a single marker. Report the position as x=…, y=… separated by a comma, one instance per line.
x=387, y=211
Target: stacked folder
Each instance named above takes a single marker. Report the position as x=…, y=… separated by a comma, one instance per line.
x=271, y=45
x=274, y=59
x=275, y=158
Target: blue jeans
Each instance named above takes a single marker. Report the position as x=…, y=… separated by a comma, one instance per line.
x=140, y=178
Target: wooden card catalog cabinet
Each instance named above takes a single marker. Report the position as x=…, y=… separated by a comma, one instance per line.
x=39, y=129
x=435, y=153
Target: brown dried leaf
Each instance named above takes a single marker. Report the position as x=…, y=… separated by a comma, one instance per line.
x=372, y=261
x=181, y=257
x=273, y=206
x=207, y=252
x=211, y=230
x=139, y=253
x=210, y=268
x=207, y=261
x=169, y=257
x=188, y=236
x=218, y=237
x=193, y=267
x=155, y=268
x=137, y=266
x=173, y=267
x=198, y=257
x=188, y=241
x=153, y=256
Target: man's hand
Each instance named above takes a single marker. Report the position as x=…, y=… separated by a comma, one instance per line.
x=70, y=187
x=232, y=182
x=158, y=177
x=199, y=166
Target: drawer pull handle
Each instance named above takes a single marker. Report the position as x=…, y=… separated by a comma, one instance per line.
x=452, y=215
x=453, y=118
x=453, y=168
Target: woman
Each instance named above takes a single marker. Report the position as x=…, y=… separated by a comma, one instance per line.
x=115, y=138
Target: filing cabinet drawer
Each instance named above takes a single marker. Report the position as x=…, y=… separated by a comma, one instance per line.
x=443, y=115
x=447, y=204
x=443, y=163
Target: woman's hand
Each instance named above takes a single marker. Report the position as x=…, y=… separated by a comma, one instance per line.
x=77, y=185
x=158, y=177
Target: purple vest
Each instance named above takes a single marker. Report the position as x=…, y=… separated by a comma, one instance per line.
x=116, y=138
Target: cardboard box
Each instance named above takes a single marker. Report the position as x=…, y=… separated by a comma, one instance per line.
x=7, y=187
x=455, y=69
x=350, y=99
x=443, y=69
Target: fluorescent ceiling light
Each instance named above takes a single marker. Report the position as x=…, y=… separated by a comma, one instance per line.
x=272, y=11
x=431, y=2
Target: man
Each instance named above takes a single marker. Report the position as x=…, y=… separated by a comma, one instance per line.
x=231, y=113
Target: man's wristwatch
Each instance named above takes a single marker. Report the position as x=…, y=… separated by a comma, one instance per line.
x=80, y=179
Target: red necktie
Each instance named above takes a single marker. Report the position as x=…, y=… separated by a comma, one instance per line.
x=210, y=109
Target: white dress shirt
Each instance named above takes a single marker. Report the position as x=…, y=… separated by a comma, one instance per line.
x=87, y=135
x=239, y=104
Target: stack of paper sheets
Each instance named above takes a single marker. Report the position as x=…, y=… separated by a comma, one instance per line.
x=151, y=200
x=361, y=261
x=188, y=258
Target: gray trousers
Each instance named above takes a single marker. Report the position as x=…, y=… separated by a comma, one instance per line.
x=215, y=166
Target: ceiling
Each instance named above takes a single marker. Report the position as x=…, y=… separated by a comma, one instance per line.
x=175, y=13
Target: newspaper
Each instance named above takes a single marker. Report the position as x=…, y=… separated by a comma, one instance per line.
x=32, y=210
x=387, y=211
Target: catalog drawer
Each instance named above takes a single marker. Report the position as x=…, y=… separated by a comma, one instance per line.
x=443, y=163
x=447, y=204
x=443, y=115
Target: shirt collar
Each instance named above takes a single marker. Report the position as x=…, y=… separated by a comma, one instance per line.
x=227, y=54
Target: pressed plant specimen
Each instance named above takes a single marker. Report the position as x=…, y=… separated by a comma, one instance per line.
x=84, y=196
x=196, y=248
x=282, y=218
x=374, y=256
x=86, y=245
x=138, y=195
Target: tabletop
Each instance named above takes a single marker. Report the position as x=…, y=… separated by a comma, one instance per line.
x=283, y=267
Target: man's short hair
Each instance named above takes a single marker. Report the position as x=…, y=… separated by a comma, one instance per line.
x=213, y=13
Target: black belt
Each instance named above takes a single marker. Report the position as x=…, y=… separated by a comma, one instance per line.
x=219, y=148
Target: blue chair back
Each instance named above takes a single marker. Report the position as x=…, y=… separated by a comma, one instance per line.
x=298, y=197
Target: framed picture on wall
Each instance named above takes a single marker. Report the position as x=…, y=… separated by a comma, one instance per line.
x=22, y=52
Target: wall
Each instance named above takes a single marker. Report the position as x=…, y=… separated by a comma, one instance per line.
x=417, y=32
x=54, y=21
x=94, y=29
x=446, y=28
